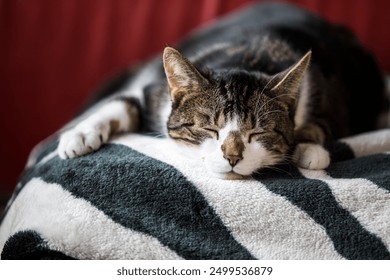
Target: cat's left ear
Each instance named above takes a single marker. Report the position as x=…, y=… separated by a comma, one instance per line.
x=288, y=82
x=181, y=74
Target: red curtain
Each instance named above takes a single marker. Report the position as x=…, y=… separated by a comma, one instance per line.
x=54, y=53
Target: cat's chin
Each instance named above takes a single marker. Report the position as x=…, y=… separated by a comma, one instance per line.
x=232, y=176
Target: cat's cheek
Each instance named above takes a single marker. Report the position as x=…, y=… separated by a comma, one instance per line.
x=212, y=157
x=215, y=165
x=252, y=159
x=255, y=157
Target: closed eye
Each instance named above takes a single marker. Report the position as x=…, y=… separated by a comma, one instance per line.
x=213, y=131
x=254, y=135
x=180, y=126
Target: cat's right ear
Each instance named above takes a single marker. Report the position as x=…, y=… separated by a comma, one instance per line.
x=289, y=81
x=181, y=74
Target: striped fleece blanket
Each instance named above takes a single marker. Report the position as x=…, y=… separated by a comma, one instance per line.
x=139, y=198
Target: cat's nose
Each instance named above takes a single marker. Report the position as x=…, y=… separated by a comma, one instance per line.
x=233, y=159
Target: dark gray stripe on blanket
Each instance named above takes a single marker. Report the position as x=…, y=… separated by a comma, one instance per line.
x=374, y=168
x=29, y=245
x=349, y=237
x=339, y=151
x=146, y=195
x=46, y=150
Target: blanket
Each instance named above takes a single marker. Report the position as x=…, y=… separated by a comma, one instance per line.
x=138, y=197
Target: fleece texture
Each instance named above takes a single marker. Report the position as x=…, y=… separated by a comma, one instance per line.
x=138, y=197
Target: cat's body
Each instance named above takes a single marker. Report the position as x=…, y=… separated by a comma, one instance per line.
x=255, y=87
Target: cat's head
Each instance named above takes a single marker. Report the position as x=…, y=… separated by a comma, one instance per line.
x=238, y=121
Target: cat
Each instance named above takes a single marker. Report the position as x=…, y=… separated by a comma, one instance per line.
x=269, y=85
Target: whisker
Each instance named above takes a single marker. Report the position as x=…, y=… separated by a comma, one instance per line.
x=288, y=159
x=262, y=91
x=271, y=112
x=273, y=98
x=280, y=170
x=156, y=135
x=270, y=81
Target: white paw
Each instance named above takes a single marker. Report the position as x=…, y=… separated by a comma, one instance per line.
x=82, y=139
x=311, y=156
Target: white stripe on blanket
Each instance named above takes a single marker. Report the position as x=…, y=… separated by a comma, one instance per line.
x=369, y=143
x=74, y=227
x=368, y=203
x=268, y=225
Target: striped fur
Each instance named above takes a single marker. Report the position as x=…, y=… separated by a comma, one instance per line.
x=279, y=89
x=142, y=197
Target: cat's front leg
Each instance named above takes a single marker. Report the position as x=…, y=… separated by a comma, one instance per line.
x=114, y=117
x=311, y=156
x=310, y=152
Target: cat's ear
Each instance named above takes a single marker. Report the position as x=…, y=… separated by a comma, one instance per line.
x=181, y=74
x=287, y=82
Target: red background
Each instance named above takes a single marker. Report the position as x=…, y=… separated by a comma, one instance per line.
x=54, y=53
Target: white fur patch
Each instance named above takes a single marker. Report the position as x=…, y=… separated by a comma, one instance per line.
x=164, y=116
x=229, y=127
x=212, y=153
x=255, y=156
x=311, y=156
x=92, y=132
x=135, y=88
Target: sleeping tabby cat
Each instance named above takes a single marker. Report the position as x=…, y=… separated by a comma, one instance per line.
x=268, y=85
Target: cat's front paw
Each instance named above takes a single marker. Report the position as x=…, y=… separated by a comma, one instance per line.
x=82, y=139
x=311, y=156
